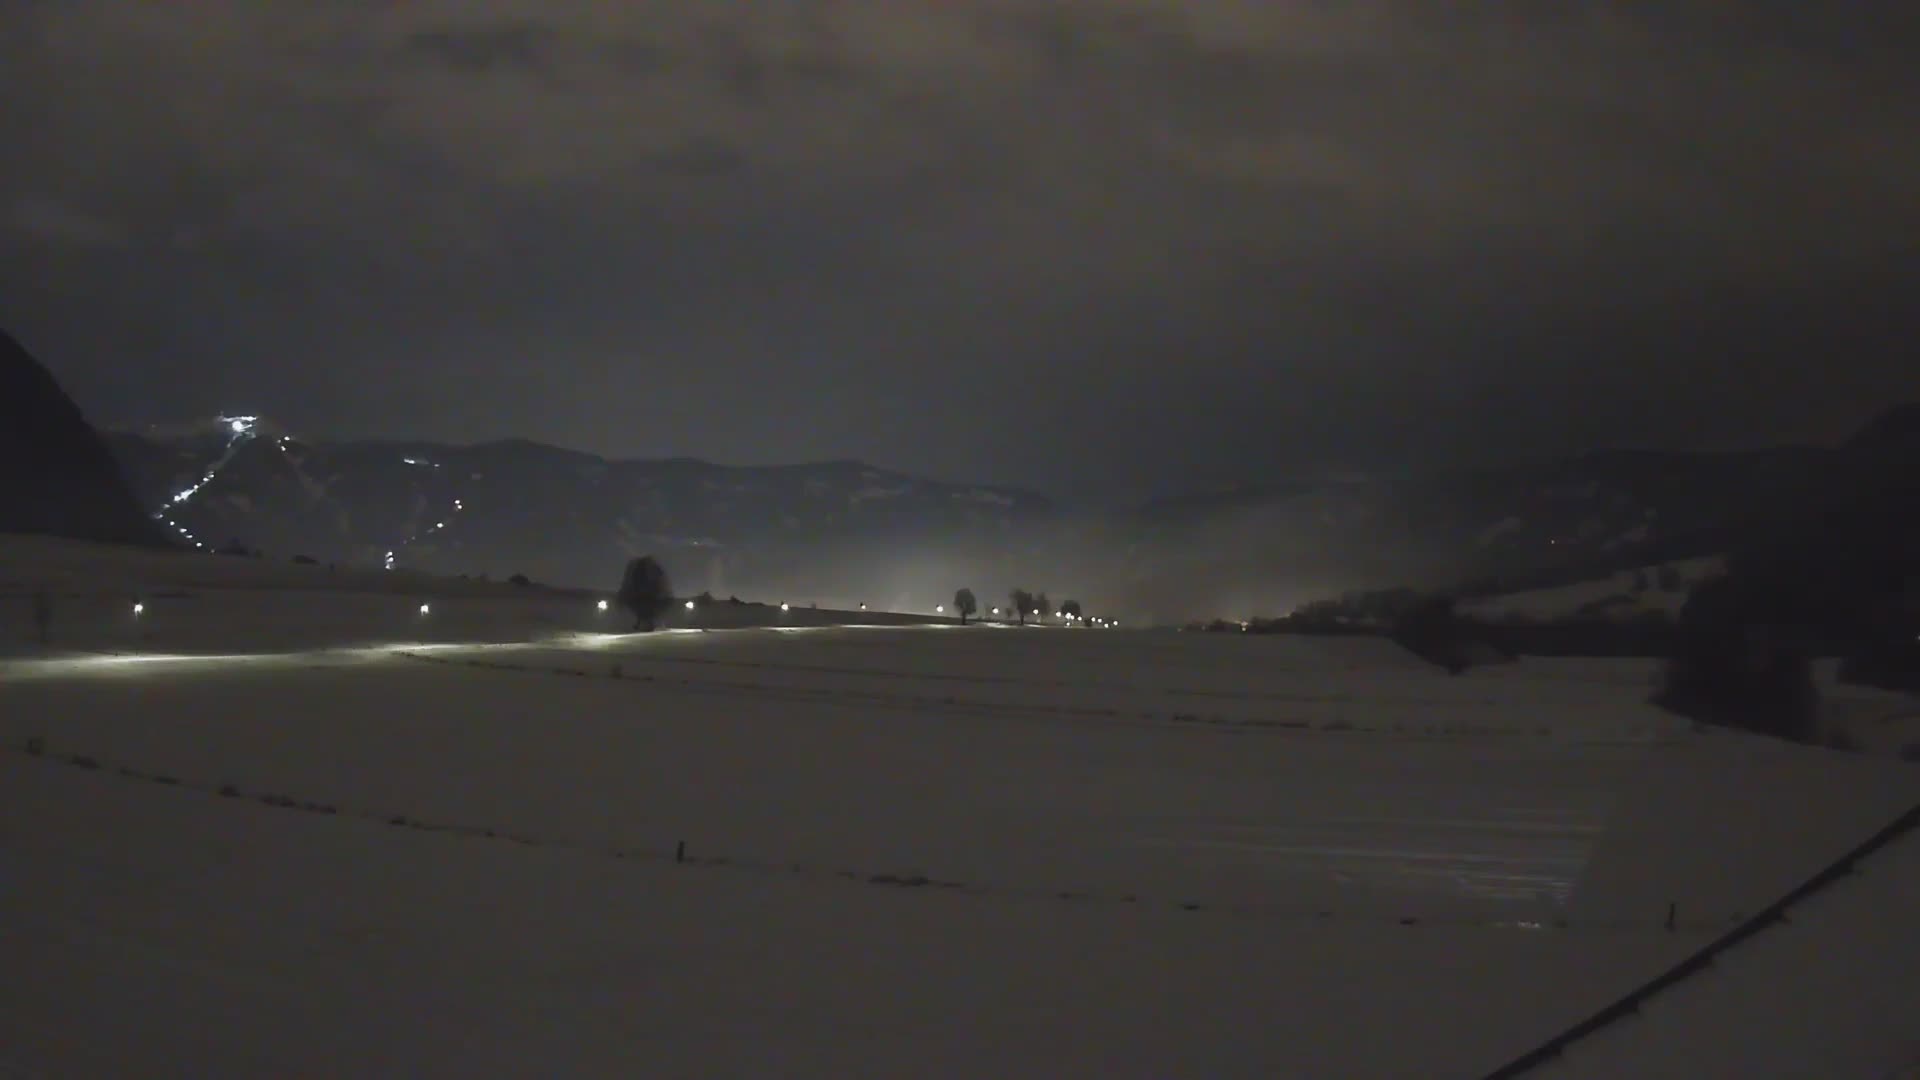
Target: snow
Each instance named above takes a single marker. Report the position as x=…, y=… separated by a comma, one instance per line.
x=918, y=849
x=1566, y=601
x=1828, y=992
x=990, y=498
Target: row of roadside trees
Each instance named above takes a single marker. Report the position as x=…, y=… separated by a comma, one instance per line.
x=1021, y=604
x=647, y=594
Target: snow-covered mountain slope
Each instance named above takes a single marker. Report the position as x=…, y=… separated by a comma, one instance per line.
x=1625, y=595
x=556, y=515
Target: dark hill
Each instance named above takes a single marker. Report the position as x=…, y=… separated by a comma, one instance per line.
x=56, y=475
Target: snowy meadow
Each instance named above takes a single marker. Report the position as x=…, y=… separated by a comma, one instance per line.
x=278, y=827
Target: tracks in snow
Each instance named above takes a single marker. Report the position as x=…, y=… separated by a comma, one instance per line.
x=680, y=854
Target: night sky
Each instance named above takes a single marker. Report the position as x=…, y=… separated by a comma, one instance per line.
x=1103, y=248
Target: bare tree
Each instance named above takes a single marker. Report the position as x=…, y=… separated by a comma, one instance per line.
x=645, y=591
x=965, y=604
x=1022, y=604
x=1071, y=609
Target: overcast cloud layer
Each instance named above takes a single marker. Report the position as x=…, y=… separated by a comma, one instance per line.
x=1103, y=247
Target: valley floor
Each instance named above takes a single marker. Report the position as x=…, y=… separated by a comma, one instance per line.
x=926, y=850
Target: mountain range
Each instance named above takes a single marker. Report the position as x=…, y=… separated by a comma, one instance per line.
x=845, y=532
x=555, y=515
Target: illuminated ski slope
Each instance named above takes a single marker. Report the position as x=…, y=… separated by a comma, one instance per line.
x=240, y=431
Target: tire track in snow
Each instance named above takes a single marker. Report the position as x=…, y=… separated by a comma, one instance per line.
x=1630, y=735
x=681, y=855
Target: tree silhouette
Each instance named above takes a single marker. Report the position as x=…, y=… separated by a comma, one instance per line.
x=1071, y=609
x=1739, y=660
x=965, y=604
x=645, y=591
x=1022, y=604
x=1041, y=606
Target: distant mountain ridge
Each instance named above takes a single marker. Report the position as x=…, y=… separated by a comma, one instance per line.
x=1497, y=530
x=516, y=506
x=56, y=474
x=848, y=530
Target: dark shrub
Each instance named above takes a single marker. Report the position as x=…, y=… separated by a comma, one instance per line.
x=1433, y=631
x=1889, y=663
x=1739, y=662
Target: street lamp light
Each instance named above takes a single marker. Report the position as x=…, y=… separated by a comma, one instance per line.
x=601, y=606
x=425, y=608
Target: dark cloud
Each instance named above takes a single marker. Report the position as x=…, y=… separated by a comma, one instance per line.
x=1098, y=246
x=520, y=44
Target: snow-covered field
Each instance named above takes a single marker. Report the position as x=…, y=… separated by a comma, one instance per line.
x=456, y=850
x=1623, y=595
